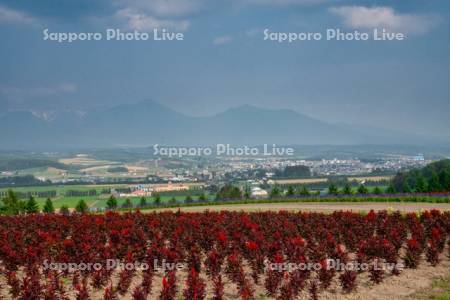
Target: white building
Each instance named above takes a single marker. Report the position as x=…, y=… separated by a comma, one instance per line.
x=258, y=193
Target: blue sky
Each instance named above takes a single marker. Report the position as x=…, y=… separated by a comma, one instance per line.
x=224, y=62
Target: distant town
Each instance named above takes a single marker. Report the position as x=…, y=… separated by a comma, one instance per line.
x=219, y=170
x=67, y=178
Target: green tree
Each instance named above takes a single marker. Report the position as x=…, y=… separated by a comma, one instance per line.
x=444, y=179
x=127, y=203
x=31, y=206
x=173, y=200
x=434, y=185
x=203, y=198
x=347, y=190
x=294, y=172
x=362, y=189
x=111, y=204
x=247, y=192
x=391, y=189
x=229, y=192
x=48, y=207
x=332, y=189
x=188, y=200
x=377, y=191
x=304, y=191
x=157, y=200
x=433, y=177
x=12, y=205
x=81, y=207
x=143, y=202
x=290, y=192
x=406, y=188
x=421, y=184
x=275, y=192
x=64, y=210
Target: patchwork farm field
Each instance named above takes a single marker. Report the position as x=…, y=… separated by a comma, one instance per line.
x=225, y=255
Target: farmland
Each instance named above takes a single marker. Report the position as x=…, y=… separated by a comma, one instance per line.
x=222, y=255
x=61, y=190
x=97, y=201
x=324, y=207
x=324, y=180
x=175, y=199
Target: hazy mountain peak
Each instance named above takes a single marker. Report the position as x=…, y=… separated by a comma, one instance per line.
x=149, y=122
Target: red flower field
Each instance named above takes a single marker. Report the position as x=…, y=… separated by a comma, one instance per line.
x=211, y=255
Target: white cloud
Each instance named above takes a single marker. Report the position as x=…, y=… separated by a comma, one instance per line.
x=173, y=14
x=8, y=15
x=19, y=94
x=164, y=8
x=64, y=88
x=222, y=40
x=180, y=8
x=282, y=2
x=361, y=17
x=136, y=20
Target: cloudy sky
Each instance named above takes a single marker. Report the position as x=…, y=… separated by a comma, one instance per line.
x=224, y=61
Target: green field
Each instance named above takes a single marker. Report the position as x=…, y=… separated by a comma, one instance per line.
x=62, y=189
x=98, y=201
x=69, y=202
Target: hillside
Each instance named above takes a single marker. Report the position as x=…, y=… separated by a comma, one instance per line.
x=435, y=177
x=17, y=164
x=147, y=122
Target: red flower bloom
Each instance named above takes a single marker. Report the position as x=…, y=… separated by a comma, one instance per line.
x=251, y=245
x=298, y=241
x=221, y=236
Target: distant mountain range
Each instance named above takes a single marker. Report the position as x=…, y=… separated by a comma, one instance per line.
x=149, y=122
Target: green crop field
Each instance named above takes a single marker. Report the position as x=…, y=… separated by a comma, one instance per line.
x=97, y=201
x=69, y=202
x=62, y=189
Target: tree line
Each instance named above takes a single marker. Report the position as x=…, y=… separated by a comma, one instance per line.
x=13, y=205
x=76, y=193
x=23, y=195
x=434, y=177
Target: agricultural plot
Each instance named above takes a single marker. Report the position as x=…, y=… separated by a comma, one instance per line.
x=61, y=198
x=69, y=202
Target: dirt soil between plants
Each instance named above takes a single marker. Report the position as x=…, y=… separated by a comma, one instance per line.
x=321, y=207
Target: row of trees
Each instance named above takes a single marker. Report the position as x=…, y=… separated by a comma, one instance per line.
x=333, y=189
x=433, y=178
x=25, y=180
x=112, y=203
x=38, y=194
x=294, y=172
x=12, y=205
x=229, y=192
x=77, y=193
x=292, y=192
x=347, y=189
x=362, y=190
